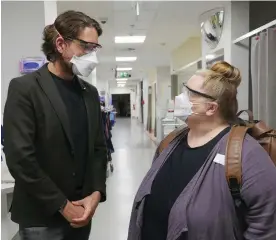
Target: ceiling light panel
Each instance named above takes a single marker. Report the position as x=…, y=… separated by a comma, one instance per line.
x=126, y=59
x=122, y=79
x=130, y=39
x=137, y=9
x=210, y=56
x=123, y=68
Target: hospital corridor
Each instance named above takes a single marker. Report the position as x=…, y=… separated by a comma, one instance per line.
x=138, y=120
x=132, y=160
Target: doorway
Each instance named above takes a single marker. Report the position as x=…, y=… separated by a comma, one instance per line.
x=121, y=103
x=149, y=124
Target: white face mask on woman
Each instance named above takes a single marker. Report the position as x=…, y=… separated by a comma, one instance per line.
x=182, y=107
x=85, y=64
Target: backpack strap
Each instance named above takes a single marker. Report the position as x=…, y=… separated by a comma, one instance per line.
x=249, y=113
x=170, y=137
x=233, y=158
x=233, y=170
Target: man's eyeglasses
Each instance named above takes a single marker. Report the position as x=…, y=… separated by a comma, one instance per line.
x=190, y=92
x=87, y=46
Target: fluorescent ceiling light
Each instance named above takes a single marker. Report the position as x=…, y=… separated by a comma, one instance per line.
x=130, y=39
x=121, y=85
x=124, y=69
x=210, y=56
x=137, y=9
x=122, y=79
x=126, y=59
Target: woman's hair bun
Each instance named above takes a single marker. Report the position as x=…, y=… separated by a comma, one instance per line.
x=231, y=73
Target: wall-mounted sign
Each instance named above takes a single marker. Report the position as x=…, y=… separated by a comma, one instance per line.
x=123, y=75
x=102, y=93
x=31, y=64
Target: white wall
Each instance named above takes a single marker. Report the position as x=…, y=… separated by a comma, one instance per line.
x=50, y=9
x=236, y=23
x=146, y=100
x=107, y=95
x=151, y=79
x=101, y=85
x=22, y=27
x=153, y=107
x=240, y=54
x=138, y=102
x=163, y=95
x=133, y=102
x=163, y=90
x=186, y=53
x=120, y=91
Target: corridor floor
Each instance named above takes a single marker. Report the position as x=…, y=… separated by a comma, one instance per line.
x=132, y=158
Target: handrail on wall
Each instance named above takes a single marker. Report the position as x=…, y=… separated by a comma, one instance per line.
x=256, y=31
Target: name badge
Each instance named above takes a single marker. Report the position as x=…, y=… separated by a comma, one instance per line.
x=220, y=158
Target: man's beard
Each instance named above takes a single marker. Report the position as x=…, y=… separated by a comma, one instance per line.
x=66, y=67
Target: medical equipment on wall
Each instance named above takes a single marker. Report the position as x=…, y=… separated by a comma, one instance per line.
x=31, y=64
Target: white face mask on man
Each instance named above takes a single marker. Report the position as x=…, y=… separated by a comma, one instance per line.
x=85, y=64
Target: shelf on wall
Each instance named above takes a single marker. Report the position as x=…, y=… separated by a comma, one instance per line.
x=187, y=66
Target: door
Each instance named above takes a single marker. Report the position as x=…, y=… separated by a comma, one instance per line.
x=149, y=125
x=121, y=103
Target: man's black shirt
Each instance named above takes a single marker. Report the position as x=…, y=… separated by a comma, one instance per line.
x=71, y=94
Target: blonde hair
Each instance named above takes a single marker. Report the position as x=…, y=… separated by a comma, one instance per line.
x=221, y=82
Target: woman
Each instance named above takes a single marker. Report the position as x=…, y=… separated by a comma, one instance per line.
x=185, y=195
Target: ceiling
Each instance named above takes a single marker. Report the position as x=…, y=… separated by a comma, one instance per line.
x=165, y=24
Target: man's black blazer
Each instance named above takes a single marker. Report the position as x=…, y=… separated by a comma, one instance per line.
x=40, y=152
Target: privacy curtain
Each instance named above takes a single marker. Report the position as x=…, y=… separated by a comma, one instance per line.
x=263, y=75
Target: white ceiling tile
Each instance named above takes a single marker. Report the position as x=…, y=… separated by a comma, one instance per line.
x=146, y=16
x=95, y=9
x=149, y=5
x=124, y=16
x=123, y=5
x=142, y=24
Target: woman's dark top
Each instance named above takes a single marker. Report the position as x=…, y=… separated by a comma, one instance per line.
x=170, y=181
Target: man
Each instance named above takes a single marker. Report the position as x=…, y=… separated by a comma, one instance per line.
x=54, y=143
